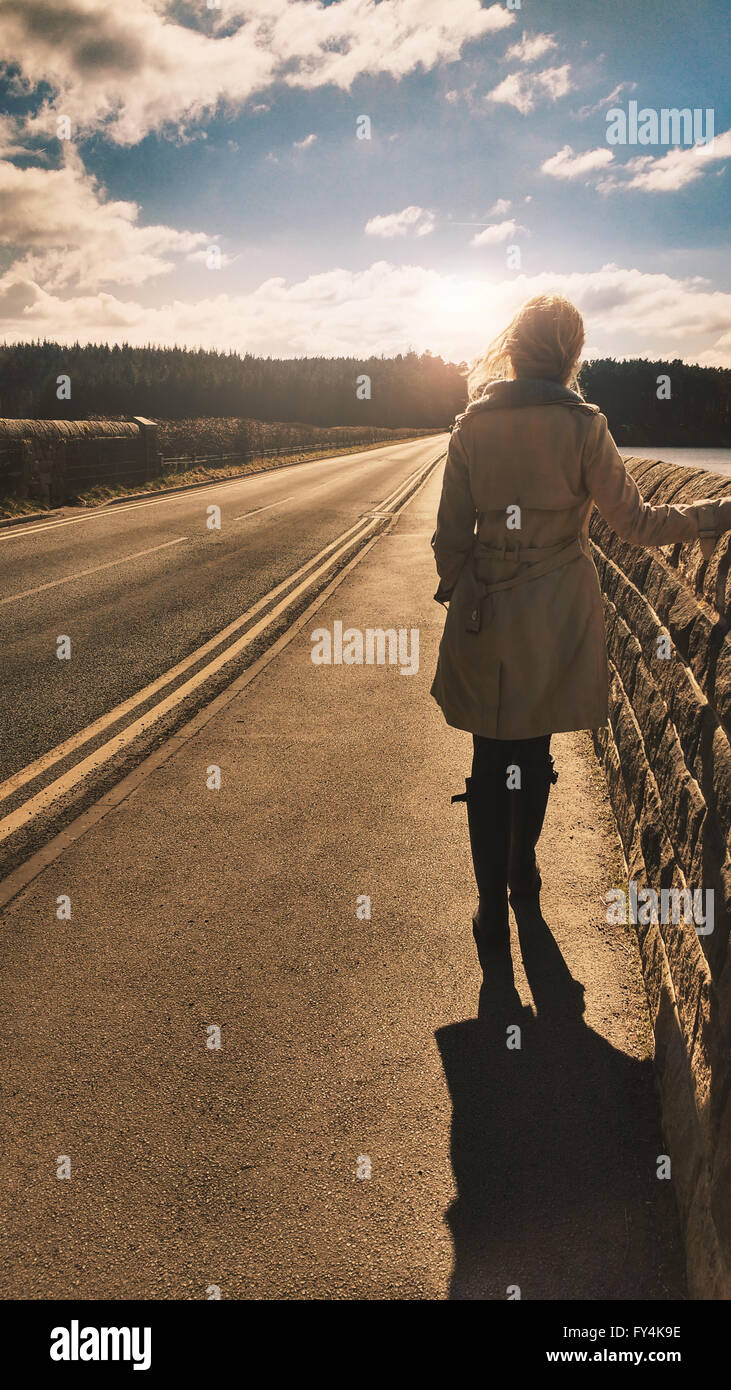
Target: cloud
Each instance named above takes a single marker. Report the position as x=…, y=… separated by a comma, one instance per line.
x=11, y=141
x=386, y=308
x=530, y=47
x=304, y=144
x=70, y=233
x=131, y=69
x=719, y=355
x=664, y=173
x=524, y=89
x=617, y=91
x=677, y=168
x=411, y=219
x=500, y=207
x=467, y=95
x=499, y=231
x=567, y=165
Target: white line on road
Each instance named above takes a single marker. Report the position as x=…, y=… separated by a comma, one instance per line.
x=63, y=750
x=14, y=533
x=255, y=510
x=64, y=784
x=104, y=513
x=33, y=866
x=69, y=578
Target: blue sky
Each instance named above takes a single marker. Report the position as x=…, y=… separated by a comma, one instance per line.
x=487, y=177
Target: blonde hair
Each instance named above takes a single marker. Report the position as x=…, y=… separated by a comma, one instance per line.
x=544, y=340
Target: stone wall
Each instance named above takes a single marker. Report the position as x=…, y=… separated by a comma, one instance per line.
x=667, y=760
x=54, y=461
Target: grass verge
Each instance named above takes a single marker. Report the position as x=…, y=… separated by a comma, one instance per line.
x=201, y=473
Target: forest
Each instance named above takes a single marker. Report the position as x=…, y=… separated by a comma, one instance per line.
x=634, y=397
x=688, y=404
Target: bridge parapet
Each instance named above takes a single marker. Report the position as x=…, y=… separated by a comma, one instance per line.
x=666, y=753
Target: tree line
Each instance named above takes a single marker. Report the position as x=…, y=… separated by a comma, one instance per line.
x=645, y=402
x=654, y=403
x=412, y=389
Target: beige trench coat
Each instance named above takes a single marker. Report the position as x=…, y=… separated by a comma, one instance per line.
x=524, y=650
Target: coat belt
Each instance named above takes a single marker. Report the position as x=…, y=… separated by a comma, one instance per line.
x=518, y=552
x=554, y=558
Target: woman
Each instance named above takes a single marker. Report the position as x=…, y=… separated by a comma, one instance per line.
x=523, y=653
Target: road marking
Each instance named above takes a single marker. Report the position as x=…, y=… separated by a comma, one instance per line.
x=70, y=745
x=14, y=533
x=268, y=508
x=69, y=578
x=45, y=798
x=104, y=513
x=34, y=866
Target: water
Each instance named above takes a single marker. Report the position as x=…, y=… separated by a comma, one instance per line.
x=715, y=460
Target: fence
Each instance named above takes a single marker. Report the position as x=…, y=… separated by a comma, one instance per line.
x=56, y=461
x=184, y=462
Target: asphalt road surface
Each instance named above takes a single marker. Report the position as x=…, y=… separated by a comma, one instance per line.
x=362, y=1130
x=139, y=587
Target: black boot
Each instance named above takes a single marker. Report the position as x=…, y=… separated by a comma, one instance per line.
x=529, y=809
x=488, y=817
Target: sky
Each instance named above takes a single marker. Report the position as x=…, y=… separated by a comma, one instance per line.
x=291, y=177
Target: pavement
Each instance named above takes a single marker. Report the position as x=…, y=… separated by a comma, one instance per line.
x=363, y=1131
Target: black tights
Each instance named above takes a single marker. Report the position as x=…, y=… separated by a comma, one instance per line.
x=512, y=749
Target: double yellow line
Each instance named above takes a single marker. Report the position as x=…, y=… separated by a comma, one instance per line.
x=291, y=588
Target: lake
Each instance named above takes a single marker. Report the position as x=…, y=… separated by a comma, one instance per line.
x=715, y=460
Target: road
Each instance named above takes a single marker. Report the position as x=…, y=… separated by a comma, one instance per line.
x=139, y=588
x=362, y=1131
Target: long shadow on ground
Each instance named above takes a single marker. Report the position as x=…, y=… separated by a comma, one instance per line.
x=554, y=1147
